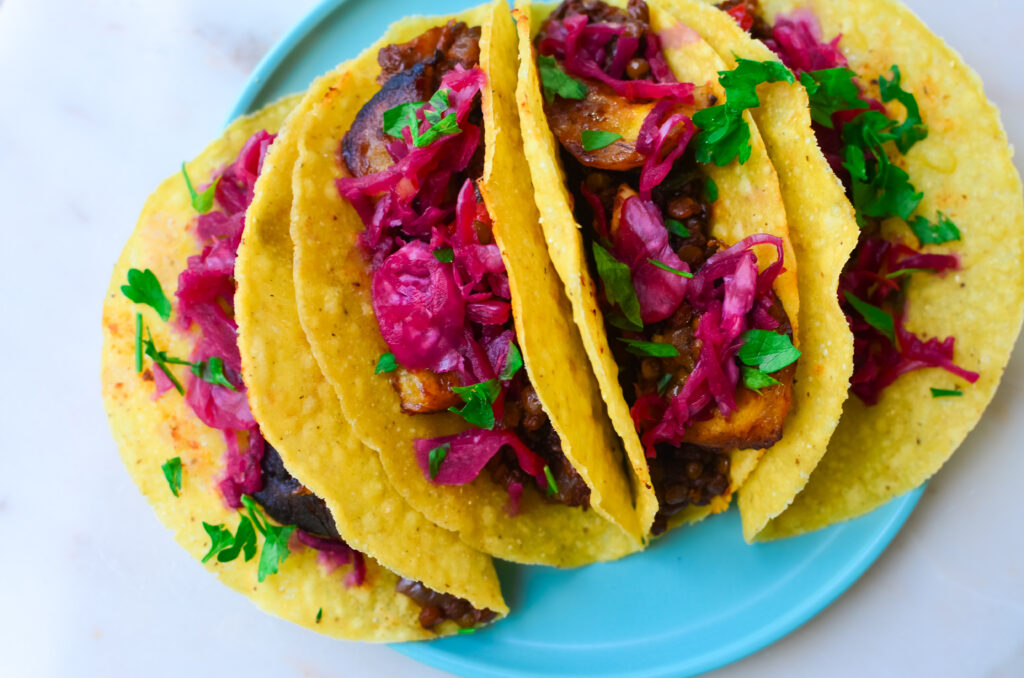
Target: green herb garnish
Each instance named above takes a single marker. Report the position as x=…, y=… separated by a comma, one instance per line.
x=212, y=371
x=513, y=363
x=666, y=267
x=404, y=116
x=319, y=615
x=227, y=546
x=908, y=271
x=874, y=316
x=830, y=91
x=912, y=129
x=768, y=351
x=710, y=190
x=650, y=348
x=138, y=342
x=755, y=379
x=942, y=231
x=618, y=285
x=436, y=457
x=946, y=393
x=201, y=202
x=594, y=139
x=552, y=485
x=386, y=363
x=724, y=134
x=479, y=399
x=275, y=540
x=444, y=254
x=557, y=82
x=663, y=383
x=162, y=360
x=172, y=472
x=144, y=288
x=463, y=632
x=677, y=227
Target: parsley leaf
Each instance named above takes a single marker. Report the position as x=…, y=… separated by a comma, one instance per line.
x=908, y=271
x=386, y=363
x=319, y=615
x=946, y=393
x=244, y=542
x=212, y=371
x=220, y=539
x=677, y=227
x=479, y=400
x=618, y=285
x=710, y=190
x=725, y=135
x=162, y=360
x=463, y=632
x=830, y=91
x=755, y=379
x=666, y=267
x=663, y=383
x=594, y=139
x=144, y=288
x=513, y=363
x=447, y=125
x=172, y=472
x=768, y=351
x=138, y=342
x=398, y=118
x=444, y=254
x=403, y=116
x=876, y=317
x=201, y=202
x=653, y=349
x=557, y=82
x=436, y=457
x=552, y=485
x=943, y=230
x=275, y=550
x=912, y=129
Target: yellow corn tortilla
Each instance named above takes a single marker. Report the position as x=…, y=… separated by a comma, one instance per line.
x=824, y=231
x=965, y=169
x=149, y=432
x=300, y=416
x=333, y=293
x=749, y=202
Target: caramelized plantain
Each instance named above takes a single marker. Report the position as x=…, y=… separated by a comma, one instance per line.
x=423, y=391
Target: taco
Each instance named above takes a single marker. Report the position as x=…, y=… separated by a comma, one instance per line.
x=201, y=458
x=427, y=295
x=934, y=291
x=666, y=223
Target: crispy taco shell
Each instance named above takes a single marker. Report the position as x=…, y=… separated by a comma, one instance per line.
x=332, y=286
x=749, y=202
x=148, y=432
x=965, y=169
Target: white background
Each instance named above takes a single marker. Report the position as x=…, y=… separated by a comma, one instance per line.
x=99, y=101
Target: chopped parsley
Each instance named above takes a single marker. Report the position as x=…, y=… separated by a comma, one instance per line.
x=710, y=191
x=552, y=485
x=436, y=457
x=663, y=383
x=386, y=363
x=557, y=82
x=138, y=342
x=162, y=360
x=912, y=129
x=618, y=286
x=767, y=351
x=275, y=540
x=227, y=546
x=650, y=348
x=874, y=316
x=201, y=202
x=946, y=393
x=479, y=399
x=677, y=227
x=144, y=288
x=212, y=371
x=666, y=267
x=594, y=139
x=319, y=615
x=444, y=254
x=513, y=363
x=908, y=271
x=942, y=231
x=463, y=632
x=755, y=379
x=172, y=472
x=405, y=116
x=830, y=91
x=725, y=135
x=252, y=524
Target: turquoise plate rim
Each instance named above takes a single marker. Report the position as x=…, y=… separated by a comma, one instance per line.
x=457, y=654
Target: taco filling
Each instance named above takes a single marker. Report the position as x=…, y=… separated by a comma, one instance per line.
x=863, y=145
x=703, y=345
x=440, y=291
x=254, y=476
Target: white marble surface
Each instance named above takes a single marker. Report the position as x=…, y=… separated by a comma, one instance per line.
x=99, y=100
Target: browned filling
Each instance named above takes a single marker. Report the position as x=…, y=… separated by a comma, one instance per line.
x=289, y=502
x=413, y=71
x=437, y=607
x=697, y=471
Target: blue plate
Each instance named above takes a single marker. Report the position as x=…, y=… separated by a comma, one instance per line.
x=698, y=599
